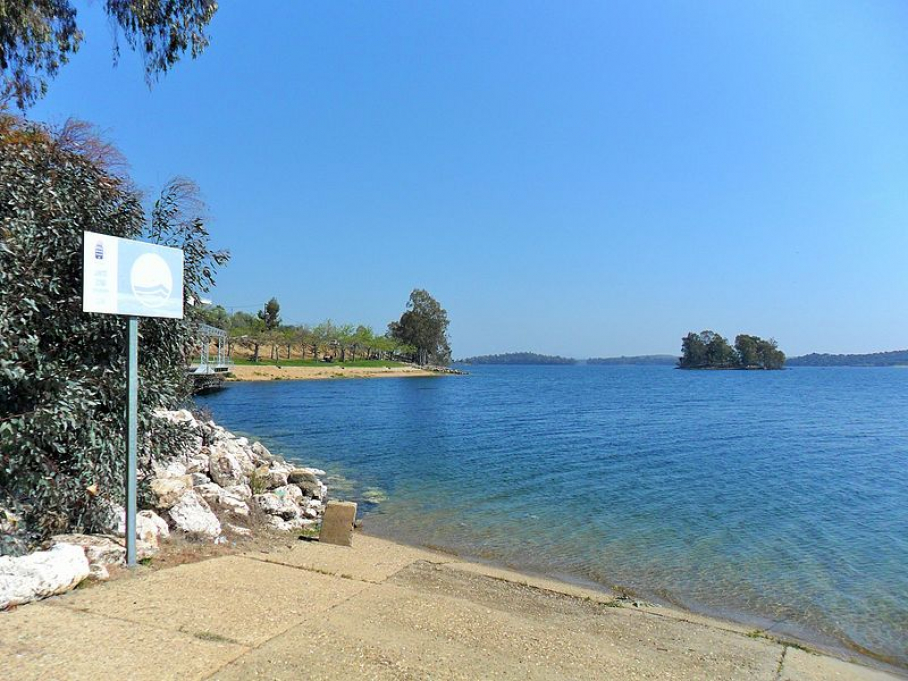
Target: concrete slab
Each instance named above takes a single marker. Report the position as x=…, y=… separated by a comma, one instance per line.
x=803, y=666
x=337, y=523
x=371, y=560
x=238, y=599
x=395, y=632
x=41, y=642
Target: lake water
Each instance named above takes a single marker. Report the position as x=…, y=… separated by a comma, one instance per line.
x=776, y=498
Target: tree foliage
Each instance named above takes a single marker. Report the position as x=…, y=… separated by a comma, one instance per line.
x=271, y=314
x=424, y=325
x=709, y=350
x=62, y=371
x=38, y=36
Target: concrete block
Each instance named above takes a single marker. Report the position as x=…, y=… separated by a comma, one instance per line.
x=337, y=523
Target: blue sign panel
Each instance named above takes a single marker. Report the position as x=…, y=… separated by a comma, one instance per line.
x=127, y=277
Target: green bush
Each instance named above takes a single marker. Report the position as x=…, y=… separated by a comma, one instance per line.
x=62, y=371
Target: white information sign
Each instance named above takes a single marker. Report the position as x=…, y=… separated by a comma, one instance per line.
x=133, y=278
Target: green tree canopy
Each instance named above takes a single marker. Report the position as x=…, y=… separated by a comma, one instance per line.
x=424, y=325
x=271, y=314
x=709, y=350
x=38, y=36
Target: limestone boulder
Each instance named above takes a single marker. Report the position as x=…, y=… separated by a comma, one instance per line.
x=290, y=492
x=273, y=505
x=260, y=453
x=41, y=574
x=210, y=491
x=102, y=549
x=151, y=528
x=192, y=515
x=168, y=491
x=224, y=467
x=173, y=469
x=244, y=492
x=99, y=549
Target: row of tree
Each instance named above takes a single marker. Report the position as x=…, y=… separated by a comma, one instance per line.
x=709, y=350
x=419, y=336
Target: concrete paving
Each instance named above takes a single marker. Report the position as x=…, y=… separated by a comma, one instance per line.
x=379, y=610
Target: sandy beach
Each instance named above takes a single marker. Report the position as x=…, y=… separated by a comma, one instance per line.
x=270, y=372
x=380, y=610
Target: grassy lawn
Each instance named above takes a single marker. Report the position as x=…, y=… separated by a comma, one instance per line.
x=312, y=363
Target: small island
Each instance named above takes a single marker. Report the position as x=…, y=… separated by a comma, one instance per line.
x=709, y=350
x=518, y=358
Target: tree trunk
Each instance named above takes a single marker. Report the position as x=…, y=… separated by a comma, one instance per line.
x=255, y=355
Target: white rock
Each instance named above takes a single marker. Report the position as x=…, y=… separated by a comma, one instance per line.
x=151, y=528
x=313, y=509
x=278, y=523
x=241, y=491
x=198, y=463
x=224, y=467
x=168, y=491
x=199, y=479
x=174, y=469
x=98, y=549
x=233, y=504
x=291, y=492
x=101, y=549
x=271, y=504
x=193, y=515
x=260, y=453
x=210, y=491
x=242, y=442
x=236, y=529
x=41, y=574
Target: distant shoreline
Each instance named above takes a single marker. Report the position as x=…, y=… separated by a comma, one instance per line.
x=276, y=372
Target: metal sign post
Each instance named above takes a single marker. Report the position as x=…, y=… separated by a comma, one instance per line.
x=134, y=279
x=132, y=433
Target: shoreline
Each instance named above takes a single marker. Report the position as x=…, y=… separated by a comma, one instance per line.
x=648, y=600
x=273, y=372
x=384, y=609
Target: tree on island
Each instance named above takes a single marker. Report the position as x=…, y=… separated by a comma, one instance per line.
x=424, y=325
x=709, y=350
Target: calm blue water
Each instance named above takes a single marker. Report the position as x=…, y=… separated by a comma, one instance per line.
x=777, y=498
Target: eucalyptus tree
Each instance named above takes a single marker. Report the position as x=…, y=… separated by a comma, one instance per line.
x=424, y=325
x=62, y=371
x=37, y=37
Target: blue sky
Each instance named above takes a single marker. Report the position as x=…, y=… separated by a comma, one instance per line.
x=584, y=178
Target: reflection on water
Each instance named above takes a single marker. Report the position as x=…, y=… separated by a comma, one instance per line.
x=776, y=497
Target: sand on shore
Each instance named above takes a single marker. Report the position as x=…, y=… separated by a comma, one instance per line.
x=270, y=372
x=380, y=610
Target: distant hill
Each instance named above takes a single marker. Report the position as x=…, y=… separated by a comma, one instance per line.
x=660, y=360
x=876, y=359
x=518, y=358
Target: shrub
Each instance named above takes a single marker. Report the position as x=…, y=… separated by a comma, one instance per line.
x=62, y=371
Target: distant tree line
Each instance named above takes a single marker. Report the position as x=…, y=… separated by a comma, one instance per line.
x=419, y=336
x=875, y=359
x=519, y=358
x=709, y=350
x=656, y=360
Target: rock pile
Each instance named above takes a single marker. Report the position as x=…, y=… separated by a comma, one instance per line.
x=222, y=486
